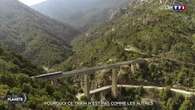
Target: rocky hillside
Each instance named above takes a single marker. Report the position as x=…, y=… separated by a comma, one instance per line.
x=81, y=13
x=144, y=30
x=149, y=29
x=38, y=38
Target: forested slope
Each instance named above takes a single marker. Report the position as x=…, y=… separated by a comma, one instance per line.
x=144, y=30
x=15, y=80
x=42, y=40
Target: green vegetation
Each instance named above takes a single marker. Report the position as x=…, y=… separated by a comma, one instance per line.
x=36, y=37
x=140, y=99
x=149, y=29
x=143, y=30
x=15, y=79
x=11, y=62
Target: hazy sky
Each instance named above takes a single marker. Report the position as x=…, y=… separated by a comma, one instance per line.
x=31, y=2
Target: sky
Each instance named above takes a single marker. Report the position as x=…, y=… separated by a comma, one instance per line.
x=31, y=2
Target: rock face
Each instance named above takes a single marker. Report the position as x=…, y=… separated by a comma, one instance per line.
x=33, y=35
x=80, y=13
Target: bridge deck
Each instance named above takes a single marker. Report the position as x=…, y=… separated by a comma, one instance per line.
x=96, y=68
x=86, y=70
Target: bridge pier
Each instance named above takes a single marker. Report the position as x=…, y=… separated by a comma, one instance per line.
x=86, y=86
x=53, y=82
x=114, y=83
x=102, y=96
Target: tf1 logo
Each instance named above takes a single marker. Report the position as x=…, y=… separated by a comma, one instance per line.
x=179, y=7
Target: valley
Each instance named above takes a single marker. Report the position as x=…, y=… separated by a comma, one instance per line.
x=84, y=51
x=36, y=37
x=81, y=14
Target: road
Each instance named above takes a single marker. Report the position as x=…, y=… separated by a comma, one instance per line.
x=180, y=91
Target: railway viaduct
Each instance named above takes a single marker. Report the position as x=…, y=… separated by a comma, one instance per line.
x=87, y=71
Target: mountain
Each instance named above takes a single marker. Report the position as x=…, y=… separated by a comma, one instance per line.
x=147, y=29
x=38, y=38
x=150, y=30
x=138, y=28
x=81, y=13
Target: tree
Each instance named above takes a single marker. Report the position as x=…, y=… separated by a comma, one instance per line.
x=26, y=88
x=174, y=103
x=186, y=105
x=185, y=77
x=165, y=94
